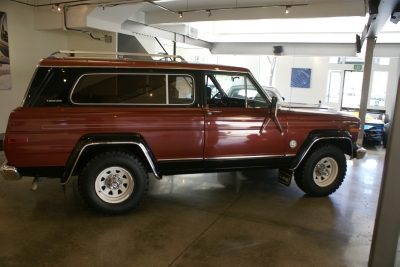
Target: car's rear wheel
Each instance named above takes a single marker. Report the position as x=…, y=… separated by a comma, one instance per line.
x=113, y=183
x=322, y=171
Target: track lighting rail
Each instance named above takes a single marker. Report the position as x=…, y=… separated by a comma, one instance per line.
x=208, y=10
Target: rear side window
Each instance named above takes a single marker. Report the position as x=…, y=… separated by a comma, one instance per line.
x=50, y=87
x=133, y=89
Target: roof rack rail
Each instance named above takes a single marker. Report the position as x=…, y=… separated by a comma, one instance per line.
x=72, y=53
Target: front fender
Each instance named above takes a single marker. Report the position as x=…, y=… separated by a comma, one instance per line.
x=340, y=138
x=108, y=139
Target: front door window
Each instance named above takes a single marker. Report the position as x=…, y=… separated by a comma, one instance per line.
x=232, y=90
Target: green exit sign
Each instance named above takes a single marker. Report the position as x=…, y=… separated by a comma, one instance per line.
x=357, y=67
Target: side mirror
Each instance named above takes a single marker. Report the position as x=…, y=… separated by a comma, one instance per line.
x=274, y=105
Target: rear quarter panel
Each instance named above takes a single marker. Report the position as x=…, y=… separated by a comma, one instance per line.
x=52, y=132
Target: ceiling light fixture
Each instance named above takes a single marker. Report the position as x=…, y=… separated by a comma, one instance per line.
x=208, y=13
x=180, y=15
x=287, y=9
x=56, y=8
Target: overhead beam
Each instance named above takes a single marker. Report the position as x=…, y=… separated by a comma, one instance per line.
x=144, y=29
x=384, y=10
x=301, y=49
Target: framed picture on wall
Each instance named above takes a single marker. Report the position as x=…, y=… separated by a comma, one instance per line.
x=5, y=77
x=301, y=78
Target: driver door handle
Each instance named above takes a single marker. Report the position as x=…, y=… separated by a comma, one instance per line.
x=210, y=112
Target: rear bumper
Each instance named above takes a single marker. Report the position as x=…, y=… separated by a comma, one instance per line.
x=9, y=173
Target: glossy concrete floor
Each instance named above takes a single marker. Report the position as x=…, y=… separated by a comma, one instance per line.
x=226, y=219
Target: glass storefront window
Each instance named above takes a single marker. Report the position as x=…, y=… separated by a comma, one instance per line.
x=352, y=89
x=379, y=85
x=333, y=90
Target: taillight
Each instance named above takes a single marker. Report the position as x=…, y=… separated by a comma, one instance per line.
x=18, y=140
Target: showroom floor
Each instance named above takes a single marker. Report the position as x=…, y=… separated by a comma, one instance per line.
x=226, y=219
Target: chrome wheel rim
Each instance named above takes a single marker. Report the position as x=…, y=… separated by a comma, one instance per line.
x=114, y=185
x=325, y=172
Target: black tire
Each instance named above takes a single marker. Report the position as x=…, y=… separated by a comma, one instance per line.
x=113, y=183
x=299, y=179
x=322, y=171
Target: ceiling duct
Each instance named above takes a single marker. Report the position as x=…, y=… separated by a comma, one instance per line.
x=149, y=43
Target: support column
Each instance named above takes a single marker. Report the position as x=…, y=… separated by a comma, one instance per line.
x=365, y=85
x=387, y=223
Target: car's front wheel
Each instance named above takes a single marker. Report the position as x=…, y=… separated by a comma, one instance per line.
x=322, y=171
x=113, y=183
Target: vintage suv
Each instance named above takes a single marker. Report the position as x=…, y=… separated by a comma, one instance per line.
x=114, y=120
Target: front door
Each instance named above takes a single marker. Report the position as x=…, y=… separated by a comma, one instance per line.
x=234, y=118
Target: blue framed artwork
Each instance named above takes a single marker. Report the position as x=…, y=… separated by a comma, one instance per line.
x=301, y=78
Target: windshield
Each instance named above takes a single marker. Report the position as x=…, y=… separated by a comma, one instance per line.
x=271, y=91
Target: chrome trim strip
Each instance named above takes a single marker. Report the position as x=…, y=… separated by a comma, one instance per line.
x=320, y=138
x=246, y=157
x=9, y=173
x=144, y=150
x=180, y=159
x=233, y=158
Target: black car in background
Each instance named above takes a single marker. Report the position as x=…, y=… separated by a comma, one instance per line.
x=375, y=128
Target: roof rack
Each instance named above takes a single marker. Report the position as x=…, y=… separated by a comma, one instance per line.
x=120, y=55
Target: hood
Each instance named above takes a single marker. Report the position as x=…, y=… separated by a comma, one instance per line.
x=303, y=105
x=314, y=112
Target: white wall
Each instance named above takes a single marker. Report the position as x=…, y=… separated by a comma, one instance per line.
x=27, y=47
x=320, y=67
x=316, y=91
x=82, y=42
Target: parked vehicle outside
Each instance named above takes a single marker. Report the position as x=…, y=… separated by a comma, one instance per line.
x=113, y=121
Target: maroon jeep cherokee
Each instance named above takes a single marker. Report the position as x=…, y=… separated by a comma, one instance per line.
x=112, y=121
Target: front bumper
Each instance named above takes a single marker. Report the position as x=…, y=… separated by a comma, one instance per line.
x=359, y=152
x=9, y=173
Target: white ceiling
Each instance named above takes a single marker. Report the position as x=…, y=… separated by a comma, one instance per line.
x=314, y=30
x=234, y=21
x=322, y=21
